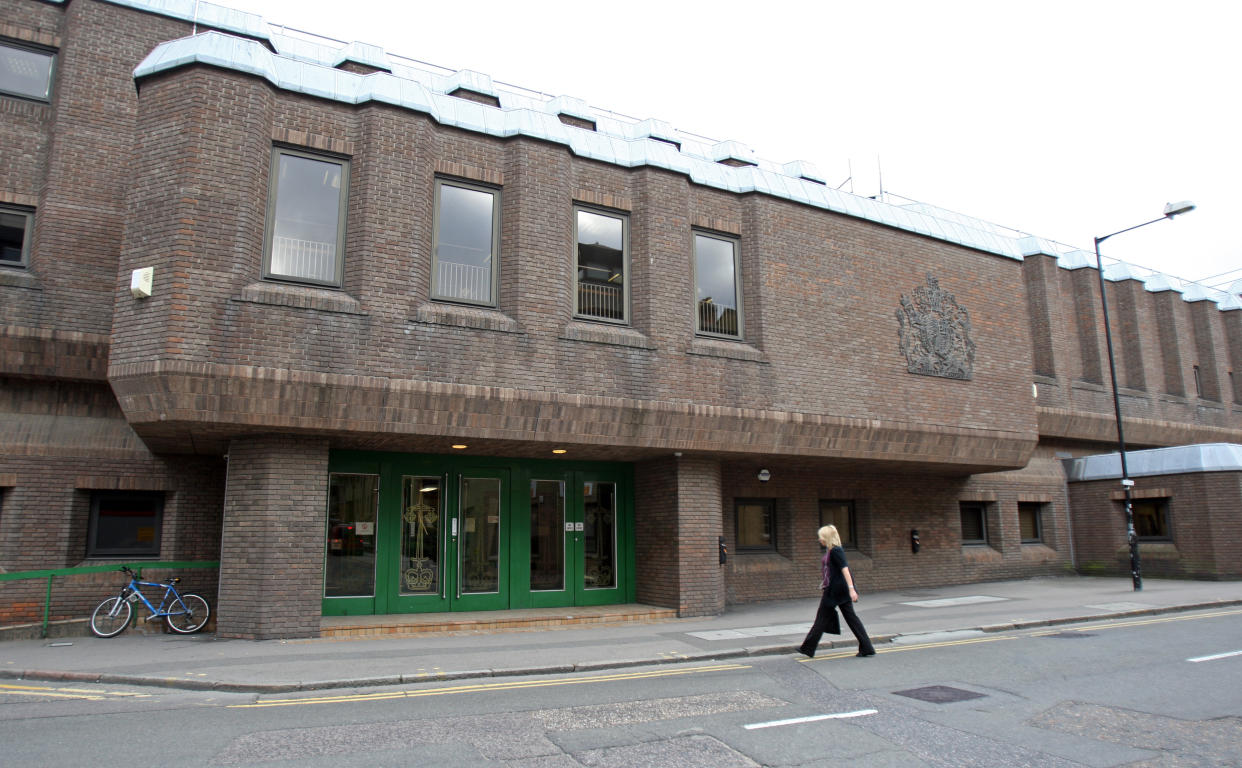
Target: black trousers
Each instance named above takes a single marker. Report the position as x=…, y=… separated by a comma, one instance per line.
x=826, y=621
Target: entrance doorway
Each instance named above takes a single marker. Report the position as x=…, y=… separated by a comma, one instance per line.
x=410, y=534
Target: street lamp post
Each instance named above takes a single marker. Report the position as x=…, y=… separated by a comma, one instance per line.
x=1170, y=210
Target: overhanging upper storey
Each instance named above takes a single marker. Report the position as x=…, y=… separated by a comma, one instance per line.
x=645, y=143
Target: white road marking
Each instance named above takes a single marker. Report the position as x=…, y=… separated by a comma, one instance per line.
x=811, y=719
x=1214, y=657
x=945, y=602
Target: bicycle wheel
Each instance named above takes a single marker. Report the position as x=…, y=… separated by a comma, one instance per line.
x=192, y=619
x=110, y=617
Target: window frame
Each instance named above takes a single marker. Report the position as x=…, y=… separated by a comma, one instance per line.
x=1038, y=508
x=269, y=234
x=1164, y=511
x=851, y=513
x=95, y=552
x=624, y=218
x=735, y=243
x=769, y=505
x=51, y=53
x=981, y=507
x=27, y=214
x=495, y=192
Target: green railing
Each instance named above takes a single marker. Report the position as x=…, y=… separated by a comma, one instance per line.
x=52, y=573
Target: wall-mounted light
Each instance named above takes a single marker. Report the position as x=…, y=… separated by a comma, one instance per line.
x=764, y=475
x=460, y=447
x=558, y=451
x=140, y=281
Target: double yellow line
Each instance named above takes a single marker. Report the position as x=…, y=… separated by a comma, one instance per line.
x=85, y=694
x=508, y=685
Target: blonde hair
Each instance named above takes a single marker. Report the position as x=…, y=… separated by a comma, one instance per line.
x=829, y=537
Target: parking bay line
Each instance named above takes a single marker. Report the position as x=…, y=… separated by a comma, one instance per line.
x=812, y=719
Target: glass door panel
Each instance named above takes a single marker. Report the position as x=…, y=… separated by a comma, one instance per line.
x=599, y=539
x=547, y=535
x=479, y=550
x=419, y=571
x=349, y=567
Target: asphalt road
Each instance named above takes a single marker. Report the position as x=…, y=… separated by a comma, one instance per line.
x=1157, y=691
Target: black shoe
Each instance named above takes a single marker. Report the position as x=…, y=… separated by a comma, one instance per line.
x=865, y=653
x=805, y=652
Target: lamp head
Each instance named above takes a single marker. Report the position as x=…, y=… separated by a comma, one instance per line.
x=1173, y=209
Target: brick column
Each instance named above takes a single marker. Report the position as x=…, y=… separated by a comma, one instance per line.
x=679, y=519
x=271, y=549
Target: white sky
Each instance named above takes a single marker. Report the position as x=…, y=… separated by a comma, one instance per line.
x=1067, y=120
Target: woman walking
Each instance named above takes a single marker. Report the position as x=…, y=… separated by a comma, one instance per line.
x=839, y=593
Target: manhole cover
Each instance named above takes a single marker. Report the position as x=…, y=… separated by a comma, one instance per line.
x=1069, y=635
x=939, y=694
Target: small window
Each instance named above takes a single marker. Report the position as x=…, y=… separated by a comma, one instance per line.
x=125, y=524
x=974, y=522
x=1151, y=519
x=840, y=514
x=756, y=525
x=15, y=225
x=602, y=243
x=717, y=292
x=1030, y=522
x=26, y=71
x=467, y=243
x=306, y=218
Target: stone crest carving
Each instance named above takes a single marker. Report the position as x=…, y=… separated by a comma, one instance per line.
x=935, y=333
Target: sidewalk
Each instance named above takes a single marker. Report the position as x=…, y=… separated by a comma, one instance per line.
x=203, y=662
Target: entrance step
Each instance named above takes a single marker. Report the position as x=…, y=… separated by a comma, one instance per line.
x=525, y=619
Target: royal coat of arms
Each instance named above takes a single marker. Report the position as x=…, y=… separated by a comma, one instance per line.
x=935, y=333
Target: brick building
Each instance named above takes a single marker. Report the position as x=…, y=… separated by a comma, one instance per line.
x=383, y=339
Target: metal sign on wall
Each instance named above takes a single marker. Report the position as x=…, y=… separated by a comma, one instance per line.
x=935, y=333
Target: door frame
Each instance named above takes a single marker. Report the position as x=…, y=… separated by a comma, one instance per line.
x=514, y=573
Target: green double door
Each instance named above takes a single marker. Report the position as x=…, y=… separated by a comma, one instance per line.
x=410, y=534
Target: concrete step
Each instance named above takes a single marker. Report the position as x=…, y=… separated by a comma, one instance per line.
x=407, y=624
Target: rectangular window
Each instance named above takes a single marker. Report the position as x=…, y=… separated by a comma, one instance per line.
x=306, y=217
x=756, y=525
x=26, y=71
x=717, y=289
x=840, y=514
x=467, y=243
x=603, y=265
x=15, y=225
x=1030, y=521
x=1151, y=519
x=125, y=524
x=974, y=522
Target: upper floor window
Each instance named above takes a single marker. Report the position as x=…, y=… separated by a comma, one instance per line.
x=306, y=217
x=26, y=71
x=716, y=285
x=603, y=265
x=467, y=243
x=14, y=236
x=840, y=514
x=125, y=524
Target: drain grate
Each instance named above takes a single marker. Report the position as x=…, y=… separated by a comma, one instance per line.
x=939, y=694
x=1069, y=635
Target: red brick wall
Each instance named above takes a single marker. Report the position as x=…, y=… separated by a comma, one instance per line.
x=1203, y=514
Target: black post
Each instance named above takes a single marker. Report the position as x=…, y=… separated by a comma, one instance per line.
x=1126, y=483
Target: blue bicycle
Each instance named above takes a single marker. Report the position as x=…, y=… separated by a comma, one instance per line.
x=183, y=613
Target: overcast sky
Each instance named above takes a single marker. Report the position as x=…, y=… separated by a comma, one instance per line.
x=1067, y=120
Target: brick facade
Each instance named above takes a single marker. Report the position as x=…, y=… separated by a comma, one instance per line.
x=172, y=171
